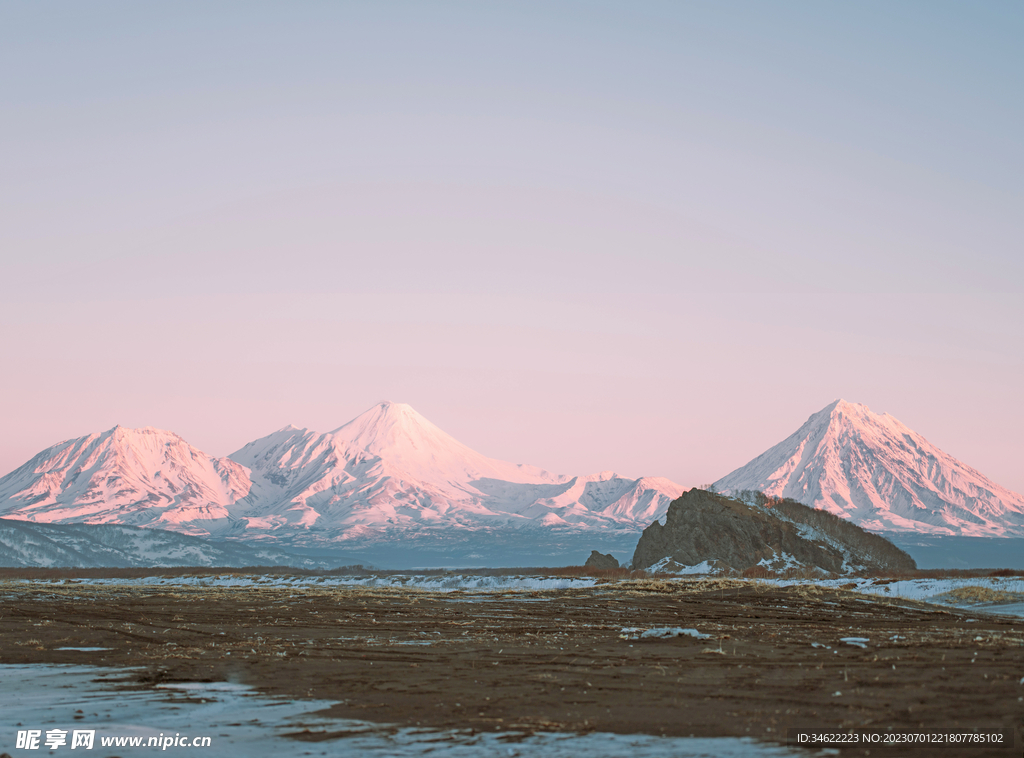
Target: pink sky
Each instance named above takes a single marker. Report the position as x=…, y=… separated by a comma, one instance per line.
x=575, y=385
x=654, y=240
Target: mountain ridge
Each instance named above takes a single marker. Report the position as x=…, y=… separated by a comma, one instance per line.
x=143, y=477
x=390, y=472
x=388, y=469
x=875, y=471
x=390, y=466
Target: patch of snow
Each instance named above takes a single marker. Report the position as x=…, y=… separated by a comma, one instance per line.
x=668, y=566
x=442, y=583
x=1008, y=609
x=660, y=633
x=667, y=633
x=930, y=590
x=782, y=561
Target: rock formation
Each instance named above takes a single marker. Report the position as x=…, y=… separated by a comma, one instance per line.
x=601, y=561
x=702, y=526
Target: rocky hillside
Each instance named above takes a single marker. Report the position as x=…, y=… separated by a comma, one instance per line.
x=27, y=544
x=729, y=533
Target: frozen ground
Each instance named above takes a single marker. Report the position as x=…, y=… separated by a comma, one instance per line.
x=1002, y=595
x=242, y=723
x=460, y=582
x=986, y=594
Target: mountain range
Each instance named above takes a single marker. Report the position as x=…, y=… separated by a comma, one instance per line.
x=387, y=472
x=391, y=477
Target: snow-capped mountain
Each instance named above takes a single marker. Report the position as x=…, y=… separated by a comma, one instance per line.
x=386, y=473
x=874, y=471
x=391, y=468
x=139, y=477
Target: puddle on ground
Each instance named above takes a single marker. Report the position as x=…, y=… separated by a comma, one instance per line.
x=240, y=721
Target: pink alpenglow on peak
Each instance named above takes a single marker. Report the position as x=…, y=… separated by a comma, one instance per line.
x=388, y=469
x=139, y=477
x=417, y=447
x=883, y=476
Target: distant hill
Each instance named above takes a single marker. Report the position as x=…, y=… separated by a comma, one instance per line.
x=26, y=544
x=874, y=471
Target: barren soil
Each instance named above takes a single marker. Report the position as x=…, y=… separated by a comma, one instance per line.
x=553, y=660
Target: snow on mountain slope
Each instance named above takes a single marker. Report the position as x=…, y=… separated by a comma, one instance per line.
x=142, y=477
x=391, y=468
x=874, y=471
x=387, y=472
x=419, y=450
x=24, y=543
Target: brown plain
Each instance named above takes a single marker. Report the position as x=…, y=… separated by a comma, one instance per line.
x=551, y=660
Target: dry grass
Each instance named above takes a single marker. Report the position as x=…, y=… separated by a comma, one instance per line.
x=675, y=586
x=634, y=580
x=974, y=594
x=649, y=585
x=1006, y=572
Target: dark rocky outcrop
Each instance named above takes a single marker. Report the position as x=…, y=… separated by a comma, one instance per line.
x=703, y=526
x=601, y=561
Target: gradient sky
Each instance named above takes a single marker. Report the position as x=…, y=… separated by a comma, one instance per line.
x=649, y=237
